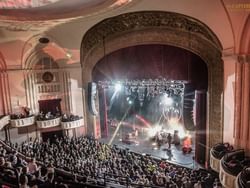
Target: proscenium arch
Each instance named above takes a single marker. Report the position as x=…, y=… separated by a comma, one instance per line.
x=167, y=28
x=5, y=101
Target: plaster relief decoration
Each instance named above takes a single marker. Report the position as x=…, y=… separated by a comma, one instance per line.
x=45, y=81
x=20, y=4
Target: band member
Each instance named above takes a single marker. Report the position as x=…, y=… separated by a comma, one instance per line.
x=177, y=140
x=169, y=137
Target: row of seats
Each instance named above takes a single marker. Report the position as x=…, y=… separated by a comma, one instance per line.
x=232, y=163
x=220, y=149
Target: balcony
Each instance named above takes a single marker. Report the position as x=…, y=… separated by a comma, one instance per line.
x=22, y=122
x=227, y=180
x=4, y=120
x=43, y=124
x=243, y=179
x=216, y=153
x=214, y=163
x=72, y=124
x=231, y=165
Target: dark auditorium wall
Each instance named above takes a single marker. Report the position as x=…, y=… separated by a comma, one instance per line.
x=152, y=61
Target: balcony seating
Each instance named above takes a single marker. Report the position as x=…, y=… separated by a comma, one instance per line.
x=216, y=153
x=243, y=179
x=231, y=165
x=72, y=124
x=4, y=120
x=47, y=123
x=22, y=122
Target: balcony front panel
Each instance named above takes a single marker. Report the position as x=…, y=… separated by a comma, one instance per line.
x=4, y=121
x=226, y=179
x=48, y=123
x=23, y=122
x=214, y=163
x=72, y=124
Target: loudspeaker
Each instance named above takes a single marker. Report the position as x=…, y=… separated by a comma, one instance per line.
x=189, y=107
x=92, y=98
x=200, y=136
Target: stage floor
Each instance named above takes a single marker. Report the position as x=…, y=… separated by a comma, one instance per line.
x=146, y=146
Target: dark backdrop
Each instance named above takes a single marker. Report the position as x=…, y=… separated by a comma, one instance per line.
x=152, y=61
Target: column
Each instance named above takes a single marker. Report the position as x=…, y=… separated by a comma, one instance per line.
x=242, y=103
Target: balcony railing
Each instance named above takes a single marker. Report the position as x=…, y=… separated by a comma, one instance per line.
x=226, y=179
x=214, y=163
x=4, y=121
x=48, y=123
x=72, y=124
x=22, y=122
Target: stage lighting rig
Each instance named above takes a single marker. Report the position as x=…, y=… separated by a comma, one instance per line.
x=149, y=87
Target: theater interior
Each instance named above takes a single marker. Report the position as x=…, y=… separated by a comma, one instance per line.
x=125, y=93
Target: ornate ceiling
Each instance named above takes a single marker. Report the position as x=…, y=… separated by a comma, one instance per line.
x=20, y=4
x=67, y=21
x=43, y=10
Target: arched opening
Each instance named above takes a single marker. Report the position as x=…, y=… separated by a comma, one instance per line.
x=146, y=108
x=45, y=84
x=5, y=105
x=162, y=28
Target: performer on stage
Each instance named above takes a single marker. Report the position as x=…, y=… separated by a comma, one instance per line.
x=169, y=138
x=187, y=145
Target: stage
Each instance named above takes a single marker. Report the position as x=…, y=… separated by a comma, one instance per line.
x=146, y=146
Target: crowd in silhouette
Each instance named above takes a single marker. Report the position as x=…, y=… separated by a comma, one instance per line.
x=91, y=159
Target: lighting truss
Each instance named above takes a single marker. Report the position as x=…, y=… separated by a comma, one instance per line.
x=154, y=87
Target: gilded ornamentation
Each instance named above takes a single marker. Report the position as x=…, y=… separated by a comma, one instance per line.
x=143, y=20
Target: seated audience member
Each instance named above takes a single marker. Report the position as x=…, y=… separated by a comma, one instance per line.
x=49, y=182
x=2, y=162
x=23, y=180
x=32, y=166
x=90, y=159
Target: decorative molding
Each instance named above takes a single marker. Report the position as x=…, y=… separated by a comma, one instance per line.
x=72, y=124
x=23, y=122
x=244, y=58
x=146, y=19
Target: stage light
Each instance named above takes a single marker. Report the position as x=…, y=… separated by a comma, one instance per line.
x=118, y=87
x=130, y=102
x=152, y=131
x=168, y=101
x=175, y=126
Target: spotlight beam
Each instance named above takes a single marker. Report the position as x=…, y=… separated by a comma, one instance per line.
x=118, y=126
x=143, y=120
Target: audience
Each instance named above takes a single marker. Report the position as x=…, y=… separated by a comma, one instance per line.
x=71, y=117
x=89, y=158
x=48, y=116
x=85, y=160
